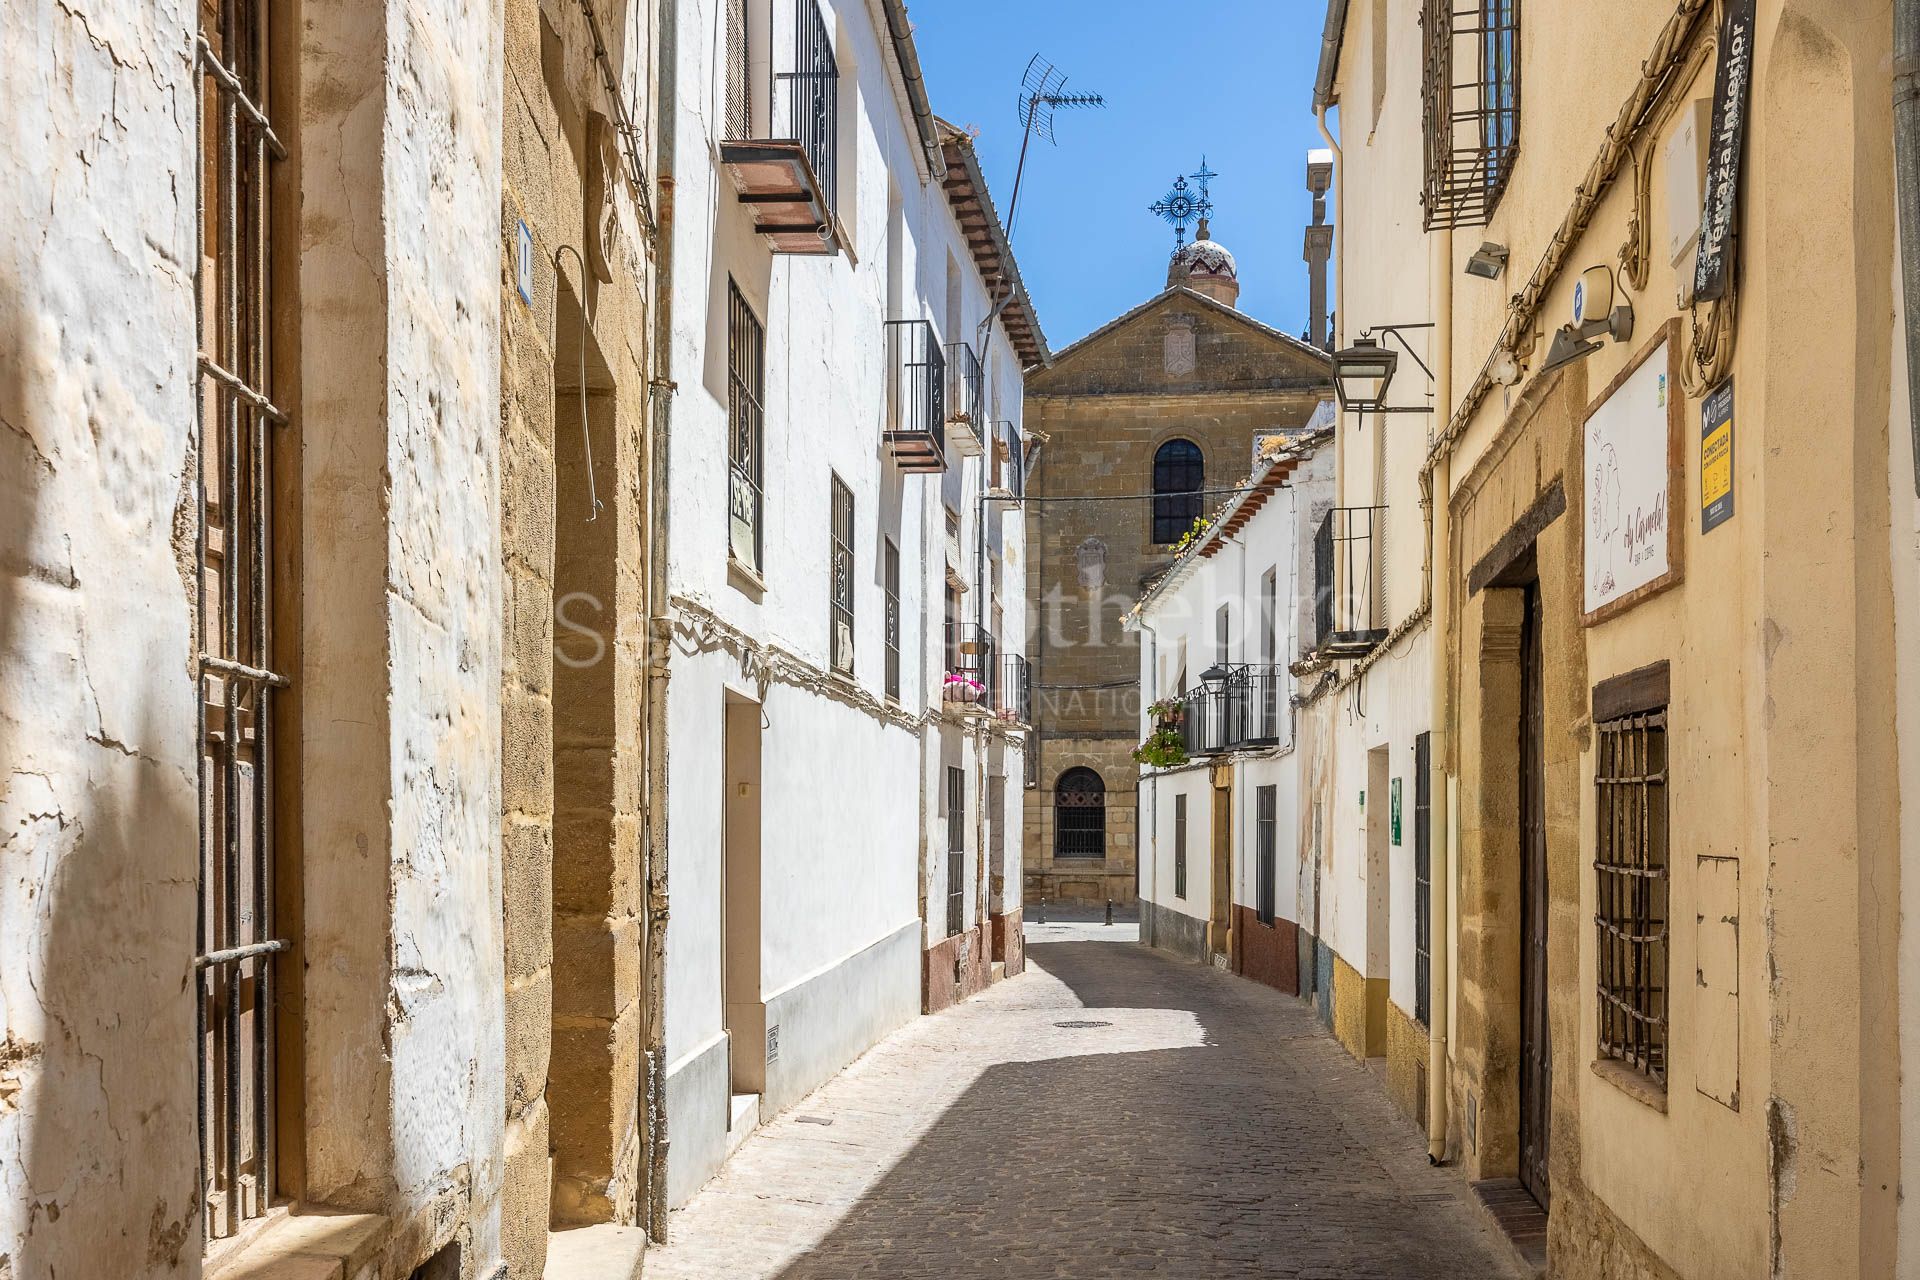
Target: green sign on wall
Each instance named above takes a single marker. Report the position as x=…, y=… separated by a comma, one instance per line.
x=1393, y=809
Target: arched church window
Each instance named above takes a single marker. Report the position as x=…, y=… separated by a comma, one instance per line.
x=1179, y=474
x=1079, y=815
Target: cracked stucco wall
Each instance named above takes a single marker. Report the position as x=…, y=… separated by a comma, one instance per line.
x=97, y=810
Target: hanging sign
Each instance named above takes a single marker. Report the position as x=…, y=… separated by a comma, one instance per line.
x=1633, y=438
x=1719, y=216
x=1716, y=458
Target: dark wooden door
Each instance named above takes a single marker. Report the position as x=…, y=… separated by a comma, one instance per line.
x=1536, y=1044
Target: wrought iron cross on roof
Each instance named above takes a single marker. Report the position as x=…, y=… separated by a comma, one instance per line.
x=1187, y=201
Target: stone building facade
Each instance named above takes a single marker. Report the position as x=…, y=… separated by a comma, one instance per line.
x=1186, y=380
x=1666, y=596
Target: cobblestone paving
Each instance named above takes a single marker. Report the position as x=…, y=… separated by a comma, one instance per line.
x=1112, y=1112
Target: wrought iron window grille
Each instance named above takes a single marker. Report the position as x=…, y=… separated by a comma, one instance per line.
x=747, y=419
x=840, y=604
x=1179, y=477
x=1471, y=95
x=956, y=851
x=1080, y=815
x=1631, y=917
x=237, y=939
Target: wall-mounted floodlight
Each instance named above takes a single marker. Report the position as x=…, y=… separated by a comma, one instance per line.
x=1489, y=261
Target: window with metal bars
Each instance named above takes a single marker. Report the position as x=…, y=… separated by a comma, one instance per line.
x=237, y=423
x=1471, y=95
x=1080, y=815
x=1630, y=779
x=1179, y=846
x=841, y=585
x=1179, y=474
x=747, y=421
x=892, y=576
x=956, y=851
x=1422, y=879
x=1266, y=821
x=739, y=106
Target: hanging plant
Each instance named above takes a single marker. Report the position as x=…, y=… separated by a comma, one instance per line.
x=1166, y=749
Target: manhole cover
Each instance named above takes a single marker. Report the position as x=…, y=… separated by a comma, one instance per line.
x=1081, y=1026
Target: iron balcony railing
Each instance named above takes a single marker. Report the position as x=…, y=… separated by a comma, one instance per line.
x=806, y=97
x=1470, y=94
x=965, y=386
x=1349, y=557
x=916, y=431
x=803, y=95
x=1241, y=707
x=978, y=676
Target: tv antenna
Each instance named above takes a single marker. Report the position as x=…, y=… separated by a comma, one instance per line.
x=1043, y=90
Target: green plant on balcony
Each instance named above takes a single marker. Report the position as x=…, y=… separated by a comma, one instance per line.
x=1163, y=749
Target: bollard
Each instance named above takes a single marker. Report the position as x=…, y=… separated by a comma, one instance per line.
x=1043, y=911
x=1109, y=910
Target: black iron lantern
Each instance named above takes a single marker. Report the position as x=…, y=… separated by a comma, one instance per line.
x=1362, y=373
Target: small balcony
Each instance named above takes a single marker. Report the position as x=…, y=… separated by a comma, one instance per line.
x=780, y=143
x=966, y=402
x=916, y=430
x=1349, y=559
x=1239, y=708
x=981, y=681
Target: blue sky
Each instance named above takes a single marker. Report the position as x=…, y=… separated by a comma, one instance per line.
x=1232, y=80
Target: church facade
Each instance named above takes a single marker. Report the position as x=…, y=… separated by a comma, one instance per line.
x=1140, y=428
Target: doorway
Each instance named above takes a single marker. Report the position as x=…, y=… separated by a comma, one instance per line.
x=1219, y=927
x=1536, y=1044
x=740, y=903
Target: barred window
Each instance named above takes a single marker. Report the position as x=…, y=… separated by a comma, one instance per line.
x=738, y=104
x=1080, y=815
x=747, y=418
x=956, y=851
x=1266, y=827
x=1631, y=866
x=892, y=574
x=841, y=586
x=1471, y=94
x=1179, y=846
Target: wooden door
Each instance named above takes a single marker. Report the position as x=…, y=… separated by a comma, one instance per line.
x=1536, y=1044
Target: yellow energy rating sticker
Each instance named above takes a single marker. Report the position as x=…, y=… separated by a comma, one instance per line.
x=1716, y=458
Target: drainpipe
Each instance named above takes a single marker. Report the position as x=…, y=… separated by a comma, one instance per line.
x=659, y=634
x=1440, y=594
x=1320, y=103
x=1906, y=142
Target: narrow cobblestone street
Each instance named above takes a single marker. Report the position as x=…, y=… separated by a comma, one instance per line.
x=1111, y=1112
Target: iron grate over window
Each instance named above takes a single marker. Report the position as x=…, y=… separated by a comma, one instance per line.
x=956, y=851
x=1471, y=96
x=237, y=423
x=1179, y=474
x=1180, y=846
x=1423, y=879
x=1631, y=917
x=1266, y=827
x=808, y=96
x=841, y=604
x=747, y=424
x=1080, y=815
x=892, y=575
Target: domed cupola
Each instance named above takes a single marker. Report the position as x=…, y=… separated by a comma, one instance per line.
x=1205, y=266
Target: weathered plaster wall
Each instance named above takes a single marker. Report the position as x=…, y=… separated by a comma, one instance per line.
x=98, y=815
x=401, y=125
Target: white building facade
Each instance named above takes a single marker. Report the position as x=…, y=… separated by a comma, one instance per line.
x=848, y=355
x=1219, y=791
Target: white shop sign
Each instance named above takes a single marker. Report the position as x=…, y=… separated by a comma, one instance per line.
x=1632, y=461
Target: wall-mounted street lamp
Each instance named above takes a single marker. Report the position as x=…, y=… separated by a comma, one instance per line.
x=1363, y=371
